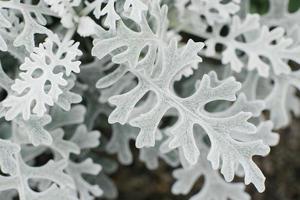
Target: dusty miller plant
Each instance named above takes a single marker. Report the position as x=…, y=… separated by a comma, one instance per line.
x=210, y=66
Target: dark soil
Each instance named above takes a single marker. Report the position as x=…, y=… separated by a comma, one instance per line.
x=281, y=168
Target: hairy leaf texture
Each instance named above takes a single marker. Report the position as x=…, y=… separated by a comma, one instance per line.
x=34, y=21
x=85, y=140
x=8, y=151
x=81, y=139
x=43, y=77
x=25, y=172
x=5, y=83
x=194, y=107
x=214, y=11
x=4, y=23
x=63, y=147
x=278, y=92
x=165, y=62
x=80, y=142
x=85, y=189
x=134, y=41
x=11, y=32
x=34, y=129
x=61, y=118
x=215, y=187
x=267, y=50
x=119, y=144
x=134, y=9
x=107, y=9
x=280, y=100
x=279, y=15
x=64, y=9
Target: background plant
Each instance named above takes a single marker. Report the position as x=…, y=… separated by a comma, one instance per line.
x=199, y=85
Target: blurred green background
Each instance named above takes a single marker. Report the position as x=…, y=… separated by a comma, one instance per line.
x=262, y=6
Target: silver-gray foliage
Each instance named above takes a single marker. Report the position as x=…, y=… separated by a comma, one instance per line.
x=141, y=69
